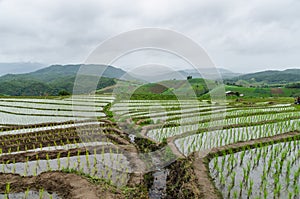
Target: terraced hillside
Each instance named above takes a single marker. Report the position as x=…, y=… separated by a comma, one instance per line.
x=210, y=133
x=40, y=137
x=98, y=146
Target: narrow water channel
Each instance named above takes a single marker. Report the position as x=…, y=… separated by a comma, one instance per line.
x=158, y=189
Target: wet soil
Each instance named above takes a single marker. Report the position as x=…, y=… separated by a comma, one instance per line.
x=68, y=186
x=23, y=142
x=182, y=181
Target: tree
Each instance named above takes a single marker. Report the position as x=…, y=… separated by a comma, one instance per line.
x=63, y=93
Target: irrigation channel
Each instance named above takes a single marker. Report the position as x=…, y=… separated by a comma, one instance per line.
x=198, y=128
x=150, y=142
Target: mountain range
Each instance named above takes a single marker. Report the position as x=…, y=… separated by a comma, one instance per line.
x=56, y=79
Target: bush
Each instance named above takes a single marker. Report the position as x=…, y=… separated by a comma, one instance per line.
x=293, y=85
x=63, y=93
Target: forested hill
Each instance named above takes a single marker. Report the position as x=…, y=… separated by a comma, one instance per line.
x=272, y=76
x=53, y=80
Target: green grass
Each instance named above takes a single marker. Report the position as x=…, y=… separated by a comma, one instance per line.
x=169, y=89
x=139, y=191
x=250, y=92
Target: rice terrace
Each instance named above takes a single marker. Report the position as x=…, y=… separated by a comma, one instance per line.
x=150, y=144
x=139, y=99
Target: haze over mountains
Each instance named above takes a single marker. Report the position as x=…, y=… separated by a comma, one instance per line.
x=19, y=67
x=157, y=75
x=38, y=68
x=53, y=79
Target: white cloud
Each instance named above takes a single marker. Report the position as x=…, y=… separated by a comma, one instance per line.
x=239, y=35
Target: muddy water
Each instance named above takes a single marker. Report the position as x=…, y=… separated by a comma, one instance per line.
x=159, y=186
x=31, y=195
x=158, y=189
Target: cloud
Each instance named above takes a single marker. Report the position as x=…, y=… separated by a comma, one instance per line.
x=237, y=34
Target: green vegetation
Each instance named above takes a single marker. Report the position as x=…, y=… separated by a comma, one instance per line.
x=92, y=179
x=53, y=80
x=172, y=90
x=145, y=145
x=274, y=164
x=270, y=77
x=63, y=93
x=59, y=80
x=108, y=112
x=27, y=87
x=293, y=85
x=248, y=121
x=257, y=92
x=181, y=182
x=265, y=111
x=127, y=191
x=264, y=92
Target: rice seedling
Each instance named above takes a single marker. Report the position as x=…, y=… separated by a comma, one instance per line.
x=255, y=178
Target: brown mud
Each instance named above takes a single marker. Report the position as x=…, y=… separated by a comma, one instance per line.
x=23, y=142
x=66, y=185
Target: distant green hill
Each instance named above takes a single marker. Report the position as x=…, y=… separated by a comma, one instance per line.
x=270, y=77
x=59, y=79
x=171, y=89
x=52, y=80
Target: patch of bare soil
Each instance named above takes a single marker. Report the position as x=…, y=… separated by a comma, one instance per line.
x=182, y=181
x=68, y=186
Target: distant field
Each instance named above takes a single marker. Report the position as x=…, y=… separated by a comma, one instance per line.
x=265, y=92
x=249, y=92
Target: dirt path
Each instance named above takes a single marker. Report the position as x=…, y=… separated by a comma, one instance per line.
x=175, y=150
x=206, y=186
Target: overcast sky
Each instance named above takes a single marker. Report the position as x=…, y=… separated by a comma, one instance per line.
x=243, y=36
